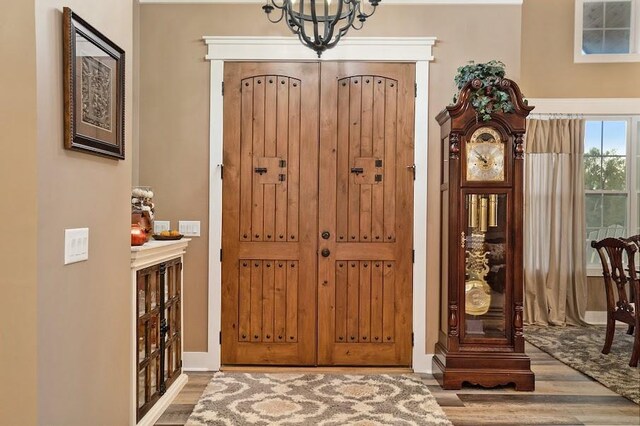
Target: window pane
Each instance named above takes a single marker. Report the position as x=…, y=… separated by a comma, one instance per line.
x=618, y=14
x=593, y=137
x=593, y=15
x=592, y=41
x=593, y=209
x=638, y=217
x=616, y=41
x=614, y=173
x=592, y=173
x=614, y=211
x=614, y=137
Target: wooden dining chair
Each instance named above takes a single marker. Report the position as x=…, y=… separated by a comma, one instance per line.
x=616, y=276
x=635, y=239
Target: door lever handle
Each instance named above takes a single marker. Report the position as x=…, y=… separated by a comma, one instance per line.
x=413, y=170
x=260, y=170
x=357, y=170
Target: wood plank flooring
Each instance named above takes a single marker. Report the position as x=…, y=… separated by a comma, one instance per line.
x=563, y=396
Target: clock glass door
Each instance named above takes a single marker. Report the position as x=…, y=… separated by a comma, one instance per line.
x=486, y=253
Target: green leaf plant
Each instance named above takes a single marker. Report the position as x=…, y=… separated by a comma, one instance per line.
x=489, y=96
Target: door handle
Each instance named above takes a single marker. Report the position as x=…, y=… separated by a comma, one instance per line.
x=357, y=170
x=325, y=235
x=325, y=252
x=260, y=170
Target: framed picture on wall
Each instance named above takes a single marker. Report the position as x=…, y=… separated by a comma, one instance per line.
x=93, y=89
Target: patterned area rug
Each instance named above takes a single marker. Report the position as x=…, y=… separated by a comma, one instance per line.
x=580, y=348
x=316, y=399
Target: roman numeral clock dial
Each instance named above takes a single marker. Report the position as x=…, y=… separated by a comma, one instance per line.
x=485, y=156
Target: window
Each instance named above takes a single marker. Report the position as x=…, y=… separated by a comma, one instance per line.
x=611, y=180
x=607, y=31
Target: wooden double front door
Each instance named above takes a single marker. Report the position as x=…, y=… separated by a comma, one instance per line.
x=317, y=213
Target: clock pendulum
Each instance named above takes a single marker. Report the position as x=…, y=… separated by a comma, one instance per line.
x=482, y=213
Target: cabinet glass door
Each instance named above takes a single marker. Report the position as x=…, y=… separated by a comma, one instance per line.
x=485, y=245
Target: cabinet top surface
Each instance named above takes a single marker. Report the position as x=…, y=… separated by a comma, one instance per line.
x=157, y=251
x=155, y=244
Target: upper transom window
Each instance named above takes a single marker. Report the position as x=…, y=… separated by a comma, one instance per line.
x=607, y=31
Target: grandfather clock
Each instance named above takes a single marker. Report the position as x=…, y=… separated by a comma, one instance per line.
x=481, y=274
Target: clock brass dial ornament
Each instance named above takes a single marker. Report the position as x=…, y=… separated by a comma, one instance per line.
x=485, y=156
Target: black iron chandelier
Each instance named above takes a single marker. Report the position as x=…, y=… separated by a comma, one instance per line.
x=318, y=23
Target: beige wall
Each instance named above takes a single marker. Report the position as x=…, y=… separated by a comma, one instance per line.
x=548, y=70
x=174, y=109
x=18, y=215
x=84, y=309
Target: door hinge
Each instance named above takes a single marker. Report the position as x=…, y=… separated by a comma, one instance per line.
x=223, y=88
x=220, y=255
x=413, y=340
x=221, y=171
x=416, y=93
x=220, y=337
x=413, y=256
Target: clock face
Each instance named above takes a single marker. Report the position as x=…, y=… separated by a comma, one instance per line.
x=485, y=156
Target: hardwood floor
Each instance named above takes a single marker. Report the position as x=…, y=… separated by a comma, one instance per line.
x=563, y=396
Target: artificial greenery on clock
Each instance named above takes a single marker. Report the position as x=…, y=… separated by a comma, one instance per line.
x=488, y=95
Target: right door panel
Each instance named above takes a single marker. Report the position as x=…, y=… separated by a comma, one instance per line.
x=365, y=214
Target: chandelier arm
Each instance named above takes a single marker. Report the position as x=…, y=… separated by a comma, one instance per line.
x=293, y=20
x=325, y=19
x=299, y=19
x=277, y=20
x=331, y=27
x=341, y=31
x=349, y=23
x=314, y=20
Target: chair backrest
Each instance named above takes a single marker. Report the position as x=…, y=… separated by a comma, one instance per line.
x=635, y=239
x=614, y=271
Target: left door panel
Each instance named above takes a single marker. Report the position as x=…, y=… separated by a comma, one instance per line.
x=269, y=224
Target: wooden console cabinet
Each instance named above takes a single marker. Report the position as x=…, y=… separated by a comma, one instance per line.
x=156, y=270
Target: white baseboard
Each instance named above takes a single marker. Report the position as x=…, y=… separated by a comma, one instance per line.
x=198, y=361
x=596, y=317
x=156, y=411
x=203, y=361
x=422, y=363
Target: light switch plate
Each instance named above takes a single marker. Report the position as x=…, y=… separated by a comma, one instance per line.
x=189, y=228
x=161, y=225
x=76, y=245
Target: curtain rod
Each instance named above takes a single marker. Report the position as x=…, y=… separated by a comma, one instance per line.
x=555, y=116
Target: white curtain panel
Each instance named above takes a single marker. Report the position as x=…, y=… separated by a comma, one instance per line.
x=554, y=234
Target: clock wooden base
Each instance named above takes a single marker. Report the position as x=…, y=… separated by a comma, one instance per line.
x=483, y=369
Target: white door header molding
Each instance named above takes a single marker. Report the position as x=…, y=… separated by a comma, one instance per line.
x=289, y=49
x=386, y=2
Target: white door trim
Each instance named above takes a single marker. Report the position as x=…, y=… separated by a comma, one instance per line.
x=390, y=49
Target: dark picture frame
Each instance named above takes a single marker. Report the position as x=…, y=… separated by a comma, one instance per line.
x=94, y=74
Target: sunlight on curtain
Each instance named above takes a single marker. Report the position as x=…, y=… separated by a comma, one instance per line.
x=554, y=234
